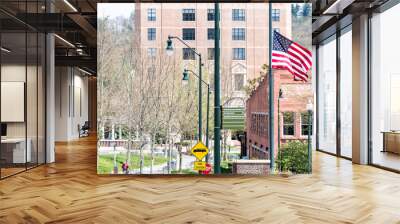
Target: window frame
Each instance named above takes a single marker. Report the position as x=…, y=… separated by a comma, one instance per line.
x=276, y=15
x=238, y=15
x=210, y=51
x=188, y=54
x=239, y=34
x=151, y=36
x=188, y=14
x=210, y=35
x=239, y=54
x=210, y=14
x=293, y=124
x=308, y=125
x=151, y=52
x=189, y=35
x=242, y=83
x=151, y=14
x=151, y=71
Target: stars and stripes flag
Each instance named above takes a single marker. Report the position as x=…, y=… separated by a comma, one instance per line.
x=291, y=56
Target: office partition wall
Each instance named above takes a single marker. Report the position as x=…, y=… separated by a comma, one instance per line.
x=22, y=79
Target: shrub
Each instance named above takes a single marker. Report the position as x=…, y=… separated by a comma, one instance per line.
x=293, y=157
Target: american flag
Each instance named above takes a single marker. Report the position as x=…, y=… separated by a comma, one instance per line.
x=291, y=56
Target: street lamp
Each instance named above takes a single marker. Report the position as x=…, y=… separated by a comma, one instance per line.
x=185, y=79
x=310, y=108
x=170, y=50
x=279, y=127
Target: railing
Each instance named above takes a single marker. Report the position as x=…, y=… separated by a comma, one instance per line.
x=112, y=143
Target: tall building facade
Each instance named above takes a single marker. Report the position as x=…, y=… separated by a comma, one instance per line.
x=244, y=37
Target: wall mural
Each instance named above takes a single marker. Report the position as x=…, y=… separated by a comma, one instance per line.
x=156, y=107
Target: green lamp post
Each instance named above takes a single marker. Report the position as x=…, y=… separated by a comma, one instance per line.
x=309, y=130
x=185, y=79
x=217, y=92
x=170, y=50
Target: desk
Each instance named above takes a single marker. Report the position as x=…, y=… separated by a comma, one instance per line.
x=391, y=141
x=13, y=150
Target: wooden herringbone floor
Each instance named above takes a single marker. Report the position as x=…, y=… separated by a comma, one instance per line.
x=69, y=191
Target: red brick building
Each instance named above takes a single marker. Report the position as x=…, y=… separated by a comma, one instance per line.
x=292, y=122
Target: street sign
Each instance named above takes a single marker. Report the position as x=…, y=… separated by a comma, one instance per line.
x=200, y=165
x=199, y=150
x=207, y=170
x=233, y=118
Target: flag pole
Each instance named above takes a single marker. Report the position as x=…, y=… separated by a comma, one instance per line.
x=271, y=95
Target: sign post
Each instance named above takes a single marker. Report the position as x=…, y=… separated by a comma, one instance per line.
x=200, y=151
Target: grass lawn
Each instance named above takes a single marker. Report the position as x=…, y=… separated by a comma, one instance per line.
x=106, y=162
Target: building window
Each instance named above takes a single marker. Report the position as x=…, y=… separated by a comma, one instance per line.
x=258, y=124
x=151, y=71
x=239, y=53
x=210, y=14
x=151, y=52
x=238, y=15
x=188, y=34
x=151, y=33
x=288, y=123
x=305, y=123
x=239, y=82
x=238, y=34
x=210, y=53
x=188, y=54
x=151, y=14
x=189, y=15
x=210, y=34
x=276, y=14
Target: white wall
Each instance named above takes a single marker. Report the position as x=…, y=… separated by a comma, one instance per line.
x=71, y=102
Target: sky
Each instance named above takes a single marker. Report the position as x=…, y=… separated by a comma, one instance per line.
x=114, y=10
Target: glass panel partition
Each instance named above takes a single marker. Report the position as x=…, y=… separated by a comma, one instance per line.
x=385, y=89
x=13, y=94
x=22, y=91
x=346, y=93
x=327, y=95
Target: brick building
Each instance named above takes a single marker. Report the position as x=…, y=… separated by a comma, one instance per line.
x=244, y=37
x=292, y=122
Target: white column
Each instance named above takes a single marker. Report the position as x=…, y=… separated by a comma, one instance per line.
x=360, y=90
x=50, y=100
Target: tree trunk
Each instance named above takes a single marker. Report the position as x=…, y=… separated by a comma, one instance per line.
x=167, y=140
x=115, y=160
x=170, y=155
x=141, y=154
x=152, y=153
x=180, y=158
x=129, y=149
